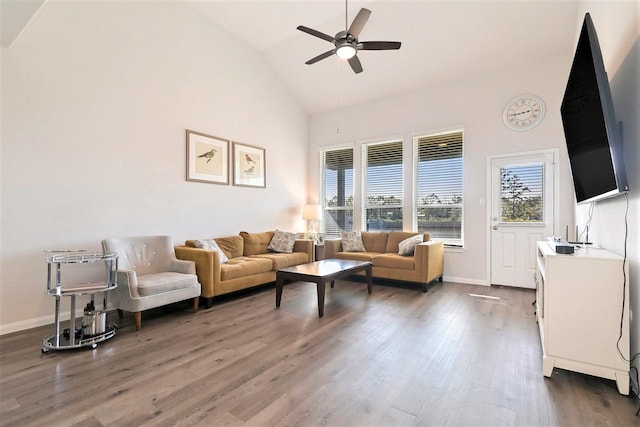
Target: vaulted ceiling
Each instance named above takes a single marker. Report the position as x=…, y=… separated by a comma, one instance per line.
x=442, y=40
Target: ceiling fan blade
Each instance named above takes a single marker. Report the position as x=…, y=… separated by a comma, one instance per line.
x=320, y=57
x=358, y=23
x=316, y=33
x=379, y=45
x=355, y=64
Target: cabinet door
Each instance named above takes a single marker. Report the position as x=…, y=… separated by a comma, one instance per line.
x=583, y=309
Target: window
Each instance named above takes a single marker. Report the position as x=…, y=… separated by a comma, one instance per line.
x=337, y=191
x=383, y=182
x=521, y=198
x=438, y=199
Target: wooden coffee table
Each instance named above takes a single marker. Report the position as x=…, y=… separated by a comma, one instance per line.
x=321, y=272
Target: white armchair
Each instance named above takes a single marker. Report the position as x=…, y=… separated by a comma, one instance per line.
x=150, y=275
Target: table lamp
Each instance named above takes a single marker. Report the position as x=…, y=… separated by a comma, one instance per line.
x=312, y=213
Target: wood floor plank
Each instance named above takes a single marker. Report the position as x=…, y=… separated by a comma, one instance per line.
x=396, y=357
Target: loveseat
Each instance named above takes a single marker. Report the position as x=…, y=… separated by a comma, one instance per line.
x=250, y=261
x=423, y=265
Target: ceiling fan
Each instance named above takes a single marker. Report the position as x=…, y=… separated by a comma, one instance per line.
x=346, y=42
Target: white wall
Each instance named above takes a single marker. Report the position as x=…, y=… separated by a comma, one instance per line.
x=618, y=29
x=476, y=104
x=96, y=97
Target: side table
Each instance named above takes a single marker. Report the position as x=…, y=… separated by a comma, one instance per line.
x=89, y=335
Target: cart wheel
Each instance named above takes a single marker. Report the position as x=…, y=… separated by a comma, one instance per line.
x=44, y=350
x=94, y=346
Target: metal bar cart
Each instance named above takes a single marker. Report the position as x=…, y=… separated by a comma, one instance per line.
x=90, y=334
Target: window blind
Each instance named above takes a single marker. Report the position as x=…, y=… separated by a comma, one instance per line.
x=383, y=190
x=337, y=189
x=438, y=176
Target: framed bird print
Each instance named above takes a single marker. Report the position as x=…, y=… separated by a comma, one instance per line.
x=249, y=166
x=207, y=158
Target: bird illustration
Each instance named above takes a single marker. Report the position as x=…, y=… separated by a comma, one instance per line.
x=208, y=155
x=250, y=170
x=249, y=159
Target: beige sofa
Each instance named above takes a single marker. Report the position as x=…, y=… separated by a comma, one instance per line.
x=250, y=262
x=424, y=266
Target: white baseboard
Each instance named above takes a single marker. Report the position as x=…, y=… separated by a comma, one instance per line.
x=29, y=324
x=40, y=321
x=465, y=280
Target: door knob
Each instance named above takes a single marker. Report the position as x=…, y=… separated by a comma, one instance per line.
x=495, y=227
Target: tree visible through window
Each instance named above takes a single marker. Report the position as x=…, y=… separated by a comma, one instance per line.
x=521, y=196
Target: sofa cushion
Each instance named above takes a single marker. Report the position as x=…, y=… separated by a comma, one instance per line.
x=244, y=266
x=408, y=246
x=375, y=241
x=357, y=256
x=158, y=283
x=282, y=241
x=256, y=243
x=211, y=245
x=233, y=246
x=395, y=237
x=352, y=241
x=284, y=260
x=394, y=261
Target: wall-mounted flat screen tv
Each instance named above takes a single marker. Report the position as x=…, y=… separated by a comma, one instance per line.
x=592, y=134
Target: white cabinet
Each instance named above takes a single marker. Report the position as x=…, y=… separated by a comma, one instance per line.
x=582, y=308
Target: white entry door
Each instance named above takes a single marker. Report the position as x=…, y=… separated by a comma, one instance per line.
x=522, y=213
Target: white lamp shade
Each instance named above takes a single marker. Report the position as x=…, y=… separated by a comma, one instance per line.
x=313, y=212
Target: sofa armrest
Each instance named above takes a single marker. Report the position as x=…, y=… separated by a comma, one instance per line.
x=207, y=265
x=306, y=246
x=332, y=247
x=429, y=257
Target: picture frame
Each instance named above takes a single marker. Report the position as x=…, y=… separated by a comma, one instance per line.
x=300, y=236
x=207, y=158
x=320, y=238
x=249, y=166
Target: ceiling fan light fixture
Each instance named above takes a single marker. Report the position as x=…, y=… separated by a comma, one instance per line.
x=346, y=51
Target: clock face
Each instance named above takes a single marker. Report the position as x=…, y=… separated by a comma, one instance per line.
x=523, y=112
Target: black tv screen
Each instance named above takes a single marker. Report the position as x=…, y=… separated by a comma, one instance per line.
x=592, y=134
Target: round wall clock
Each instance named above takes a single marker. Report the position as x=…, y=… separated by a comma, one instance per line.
x=523, y=112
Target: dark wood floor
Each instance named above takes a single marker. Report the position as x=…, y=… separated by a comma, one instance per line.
x=396, y=357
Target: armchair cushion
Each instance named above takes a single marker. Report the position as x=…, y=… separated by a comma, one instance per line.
x=158, y=283
x=282, y=242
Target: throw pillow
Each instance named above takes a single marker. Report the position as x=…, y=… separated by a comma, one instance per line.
x=282, y=242
x=408, y=246
x=211, y=245
x=352, y=241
